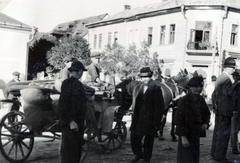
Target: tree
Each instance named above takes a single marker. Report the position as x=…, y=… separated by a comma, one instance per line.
x=76, y=47
x=37, y=61
x=117, y=57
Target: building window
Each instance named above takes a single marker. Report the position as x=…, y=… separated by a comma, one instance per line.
x=150, y=29
x=234, y=35
x=200, y=37
x=115, y=37
x=95, y=42
x=109, y=38
x=172, y=34
x=100, y=41
x=162, y=34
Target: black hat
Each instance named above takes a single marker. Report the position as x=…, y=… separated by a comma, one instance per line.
x=49, y=69
x=214, y=78
x=16, y=73
x=229, y=62
x=145, y=72
x=196, y=81
x=76, y=66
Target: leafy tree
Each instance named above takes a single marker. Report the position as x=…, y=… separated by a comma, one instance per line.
x=117, y=57
x=37, y=61
x=76, y=47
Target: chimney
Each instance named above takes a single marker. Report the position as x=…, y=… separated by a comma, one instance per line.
x=127, y=7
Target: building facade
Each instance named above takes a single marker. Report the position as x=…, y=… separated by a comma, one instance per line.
x=13, y=44
x=186, y=34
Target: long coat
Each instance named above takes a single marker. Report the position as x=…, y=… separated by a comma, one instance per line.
x=192, y=112
x=223, y=105
x=147, y=108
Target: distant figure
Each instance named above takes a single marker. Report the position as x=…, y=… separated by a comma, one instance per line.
x=7, y=95
x=209, y=90
x=50, y=73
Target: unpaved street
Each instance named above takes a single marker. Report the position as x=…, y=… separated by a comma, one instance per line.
x=164, y=151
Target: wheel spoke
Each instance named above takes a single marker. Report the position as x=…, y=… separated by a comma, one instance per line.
x=9, y=141
x=109, y=141
x=113, y=143
x=21, y=149
x=16, y=148
x=25, y=145
x=10, y=150
x=118, y=140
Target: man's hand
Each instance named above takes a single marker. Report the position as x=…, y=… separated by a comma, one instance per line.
x=74, y=126
x=185, y=142
x=204, y=126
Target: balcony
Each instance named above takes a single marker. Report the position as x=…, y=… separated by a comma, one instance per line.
x=200, y=48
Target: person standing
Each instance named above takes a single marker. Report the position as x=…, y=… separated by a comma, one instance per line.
x=192, y=118
x=147, y=106
x=72, y=108
x=235, y=117
x=223, y=108
x=7, y=94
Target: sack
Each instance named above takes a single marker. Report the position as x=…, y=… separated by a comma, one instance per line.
x=35, y=96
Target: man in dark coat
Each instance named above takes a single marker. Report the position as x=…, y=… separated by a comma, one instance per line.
x=223, y=108
x=192, y=118
x=147, y=108
x=72, y=108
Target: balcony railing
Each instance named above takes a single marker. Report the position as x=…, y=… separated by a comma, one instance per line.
x=199, y=46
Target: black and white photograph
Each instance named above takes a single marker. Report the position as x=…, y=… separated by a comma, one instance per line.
x=119, y=81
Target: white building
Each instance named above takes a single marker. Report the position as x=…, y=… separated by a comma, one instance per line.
x=190, y=34
x=13, y=48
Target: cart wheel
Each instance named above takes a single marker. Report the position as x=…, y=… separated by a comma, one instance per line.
x=17, y=140
x=115, y=139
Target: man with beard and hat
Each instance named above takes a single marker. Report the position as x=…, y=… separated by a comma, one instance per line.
x=147, y=106
x=192, y=119
x=223, y=105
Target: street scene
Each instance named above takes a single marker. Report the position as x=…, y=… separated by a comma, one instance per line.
x=123, y=81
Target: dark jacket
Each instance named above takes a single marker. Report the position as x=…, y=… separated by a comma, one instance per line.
x=192, y=112
x=147, y=108
x=72, y=102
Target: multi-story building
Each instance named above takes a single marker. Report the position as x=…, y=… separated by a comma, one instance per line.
x=191, y=34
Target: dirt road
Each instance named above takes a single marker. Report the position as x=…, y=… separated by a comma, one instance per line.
x=163, y=152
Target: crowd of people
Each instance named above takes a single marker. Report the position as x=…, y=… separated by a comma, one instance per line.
x=192, y=117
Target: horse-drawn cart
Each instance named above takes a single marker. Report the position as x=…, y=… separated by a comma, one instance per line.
x=18, y=129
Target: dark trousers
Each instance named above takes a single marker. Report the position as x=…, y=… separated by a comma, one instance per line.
x=221, y=136
x=71, y=145
x=136, y=144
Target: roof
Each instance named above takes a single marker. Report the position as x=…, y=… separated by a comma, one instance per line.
x=167, y=5
x=76, y=26
x=8, y=22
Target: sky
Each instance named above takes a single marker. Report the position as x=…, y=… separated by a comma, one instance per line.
x=47, y=14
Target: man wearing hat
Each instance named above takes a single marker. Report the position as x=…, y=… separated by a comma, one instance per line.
x=223, y=106
x=64, y=73
x=16, y=78
x=147, y=108
x=236, y=110
x=192, y=118
x=72, y=109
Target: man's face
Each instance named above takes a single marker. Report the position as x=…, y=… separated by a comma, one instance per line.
x=77, y=74
x=16, y=77
x=196, y=90
x=68, y=63
x=145, y=80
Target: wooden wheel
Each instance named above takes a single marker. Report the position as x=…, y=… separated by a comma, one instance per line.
x=115, y=139
x=16, y=139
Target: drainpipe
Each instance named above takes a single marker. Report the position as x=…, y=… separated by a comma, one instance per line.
x=184, y=15
x=220, y=49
